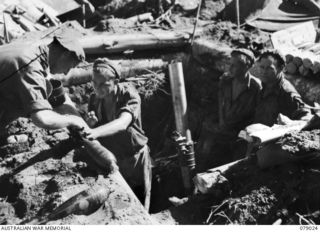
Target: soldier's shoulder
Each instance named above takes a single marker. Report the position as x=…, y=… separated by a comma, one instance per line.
x=255, y=81
x=128, y=89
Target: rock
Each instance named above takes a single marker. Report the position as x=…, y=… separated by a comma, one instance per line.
x=17, y=138
x=177, y=201
x=6, y=212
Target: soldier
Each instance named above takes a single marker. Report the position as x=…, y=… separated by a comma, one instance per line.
x=24, y=82
x=278, y=94
x=115, y=118
x=238, y=95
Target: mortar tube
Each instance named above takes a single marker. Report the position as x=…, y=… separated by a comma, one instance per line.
x=180, y=110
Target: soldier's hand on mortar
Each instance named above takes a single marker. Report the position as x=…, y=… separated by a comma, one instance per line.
x=90, y=134
x=92, y=119
x=77, y=123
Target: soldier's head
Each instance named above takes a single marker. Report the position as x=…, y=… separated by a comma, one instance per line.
x=241, y=62
x=105, y=77
x=64, y=54
x=271, y=64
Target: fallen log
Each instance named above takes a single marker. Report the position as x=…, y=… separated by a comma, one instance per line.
x=106, y=44
x=129, y=68
x=214, y=179
x=291, y=68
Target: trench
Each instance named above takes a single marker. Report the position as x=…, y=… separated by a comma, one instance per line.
x=158, y=119
x=259, y=203
x=158, y=124
x=275, y=197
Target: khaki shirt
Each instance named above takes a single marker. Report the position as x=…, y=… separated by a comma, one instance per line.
x=24, y=87
x=236, y=112
x=127, y=143
x=281, y=98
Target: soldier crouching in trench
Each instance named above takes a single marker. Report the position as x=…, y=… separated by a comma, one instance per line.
x=278, y=98
x=114, y=114
x=237, y=98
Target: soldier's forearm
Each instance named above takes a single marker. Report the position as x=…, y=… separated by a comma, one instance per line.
x=115, y=126
x=48, y=119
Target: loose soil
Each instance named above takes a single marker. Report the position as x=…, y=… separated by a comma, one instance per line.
x=255, y=196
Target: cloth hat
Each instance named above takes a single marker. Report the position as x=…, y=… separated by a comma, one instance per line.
x=71, y=44
x=108, y=64
x=245, y=52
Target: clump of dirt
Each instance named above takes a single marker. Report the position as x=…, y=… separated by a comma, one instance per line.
x=249, y=209
x=44, y=178
x=259, y=196
x=128, y=8
x=15, y=148
x=301, y=143
x=227, y=32
x=23, y=126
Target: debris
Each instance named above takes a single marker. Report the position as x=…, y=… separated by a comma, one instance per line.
x=303, y=219
x=164, y=16
x=214, y=180
x=301, y=143
x=141, y=18
x=26, y=16
x=177, y=201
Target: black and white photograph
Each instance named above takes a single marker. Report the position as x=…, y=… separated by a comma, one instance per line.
x=124, y=113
